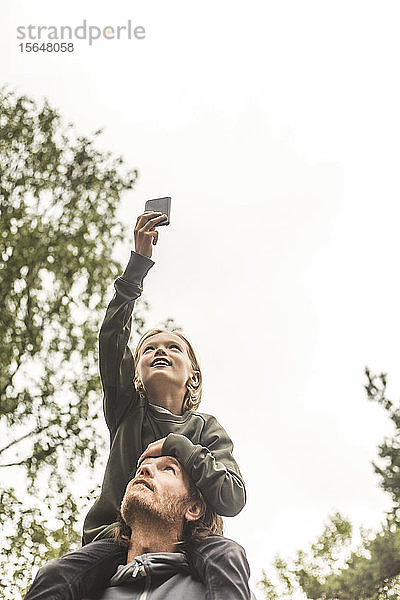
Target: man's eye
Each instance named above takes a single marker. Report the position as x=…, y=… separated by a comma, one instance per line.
x=148, y=348
x=170, y=468
x=175, y=346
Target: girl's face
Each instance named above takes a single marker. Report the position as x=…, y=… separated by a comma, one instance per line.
x=164, y=361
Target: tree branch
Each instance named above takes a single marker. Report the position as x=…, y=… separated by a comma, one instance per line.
x=46, y=320
x=35, y=431
x=14, y=464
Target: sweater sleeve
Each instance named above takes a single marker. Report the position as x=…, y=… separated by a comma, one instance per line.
x=211, y=466
x=116, y=360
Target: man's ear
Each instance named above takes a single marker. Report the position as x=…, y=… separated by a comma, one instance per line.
x=194, y=511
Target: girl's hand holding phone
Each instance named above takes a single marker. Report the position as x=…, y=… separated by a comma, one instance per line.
x=145, y=233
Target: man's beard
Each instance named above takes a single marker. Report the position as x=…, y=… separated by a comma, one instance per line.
x=167, y=510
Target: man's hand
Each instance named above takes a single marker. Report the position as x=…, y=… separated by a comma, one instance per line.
x=153, y=449
x=145, y=234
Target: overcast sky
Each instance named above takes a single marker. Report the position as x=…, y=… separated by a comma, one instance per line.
x=275, y=128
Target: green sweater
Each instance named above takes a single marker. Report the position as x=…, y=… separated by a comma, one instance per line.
x=197, y=440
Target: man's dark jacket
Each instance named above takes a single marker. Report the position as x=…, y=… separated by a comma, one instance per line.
x=155, y=576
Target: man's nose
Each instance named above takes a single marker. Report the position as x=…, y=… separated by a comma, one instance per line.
x=146, y=470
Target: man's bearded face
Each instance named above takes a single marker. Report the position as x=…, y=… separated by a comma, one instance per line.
x=159, y=491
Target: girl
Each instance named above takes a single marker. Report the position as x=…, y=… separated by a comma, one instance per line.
x=149, y=405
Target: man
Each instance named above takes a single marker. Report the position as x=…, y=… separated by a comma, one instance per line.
x=162, y=513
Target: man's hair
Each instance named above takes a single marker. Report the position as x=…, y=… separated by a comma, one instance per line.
x=209, y=521
x=193, y=531
x=193, y=394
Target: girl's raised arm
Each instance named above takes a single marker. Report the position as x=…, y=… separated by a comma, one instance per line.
x=116, y=360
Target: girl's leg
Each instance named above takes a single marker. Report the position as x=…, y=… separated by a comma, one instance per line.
x=222, y=566
x=78, y=574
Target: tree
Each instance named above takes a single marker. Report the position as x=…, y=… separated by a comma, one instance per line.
x=389, y=451
x=330, y=569
x=58, y=201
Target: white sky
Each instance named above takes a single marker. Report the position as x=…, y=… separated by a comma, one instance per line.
x=275, y=128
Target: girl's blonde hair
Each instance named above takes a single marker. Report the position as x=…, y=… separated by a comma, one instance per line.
x=193, y=394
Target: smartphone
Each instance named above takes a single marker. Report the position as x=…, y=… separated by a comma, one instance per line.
x=160, y=205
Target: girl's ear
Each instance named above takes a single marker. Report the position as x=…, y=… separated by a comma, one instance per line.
x=139, y=387
x=195, y=379
x=194, y=511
